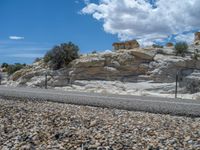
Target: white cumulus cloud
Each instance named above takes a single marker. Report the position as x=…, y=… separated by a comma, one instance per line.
x=16, y=37
x=138, y=19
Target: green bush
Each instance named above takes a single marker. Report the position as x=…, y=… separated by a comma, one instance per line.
x=181, y=48
x=48, y=56
x=4, y=65
x=94, y=52
x=157, y=46
x=13, y=68
x=37, y=60
x=61, y=55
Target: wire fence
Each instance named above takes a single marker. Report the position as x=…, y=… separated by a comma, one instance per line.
x=180, y=74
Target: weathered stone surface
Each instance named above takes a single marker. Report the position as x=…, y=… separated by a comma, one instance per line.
x=166, y=51
x=143, y=54
x=190, y=80
x=126, y=45
x=111, y=66
x=197, y=38
x=164, y=68
x=159, y=65
x=93, y=61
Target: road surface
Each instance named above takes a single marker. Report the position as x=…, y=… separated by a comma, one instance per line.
x=181, y=107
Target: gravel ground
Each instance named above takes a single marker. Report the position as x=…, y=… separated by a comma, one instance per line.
x=46, y=125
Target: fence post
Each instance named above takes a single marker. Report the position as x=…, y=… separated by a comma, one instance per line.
x=176, y=88
x=45, y=81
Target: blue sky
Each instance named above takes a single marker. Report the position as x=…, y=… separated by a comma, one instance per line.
x=43, y=24
x=29, y=28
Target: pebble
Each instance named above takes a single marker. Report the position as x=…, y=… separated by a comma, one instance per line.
x=47, y=125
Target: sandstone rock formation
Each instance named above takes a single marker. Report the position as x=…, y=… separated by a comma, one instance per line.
x=197, y=38
x=164, y=68
x=190, y=80
x=134, y=65
x=169, y=44
x=126, y=45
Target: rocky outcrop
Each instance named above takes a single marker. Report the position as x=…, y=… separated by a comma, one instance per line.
x=146, y=54
x=126, y=45
x=111, y=66
x=190, y=80
x=169, y=44
x=134, y=65
x=197, y=38
x=165, y=67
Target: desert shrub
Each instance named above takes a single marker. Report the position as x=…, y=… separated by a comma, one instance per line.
x=48, y=56
x=20, y=73
x=13, y=68
x=37, y=60
x=94, y=52
x=4, y=65
x=16, y=75
x=157, y=46
x=181, y=48
x=61, y=55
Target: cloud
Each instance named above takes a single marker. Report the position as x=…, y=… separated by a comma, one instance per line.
x=86, y=1
x=144, y=19
x=189, y=38
x=16, y=38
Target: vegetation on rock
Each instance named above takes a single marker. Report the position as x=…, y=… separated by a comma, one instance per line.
x=181, y=48
x=37, y=60
x=61, y=55
x=4, y=65
x=13, y=68
x=94, y=52
x=157, y=46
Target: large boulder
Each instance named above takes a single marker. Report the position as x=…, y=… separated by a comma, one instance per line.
x=112, y=66
x=89, y=61
x=169, y=44
x=197, y=38
x=131, y=44
x=190, y=80
x=118, y=46
x=144, y=54
x=126, y=45
x=165, y=67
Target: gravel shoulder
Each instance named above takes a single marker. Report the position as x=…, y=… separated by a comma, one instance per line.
x=47, y=125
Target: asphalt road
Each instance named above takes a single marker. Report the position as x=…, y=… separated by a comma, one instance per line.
x=182, y=107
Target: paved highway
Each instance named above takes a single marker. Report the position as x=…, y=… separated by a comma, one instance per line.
x=181, y=107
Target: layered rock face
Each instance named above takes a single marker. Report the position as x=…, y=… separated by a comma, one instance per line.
x=126, y=45
x=134, y=65
x=112, y=66
x=197, y=38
